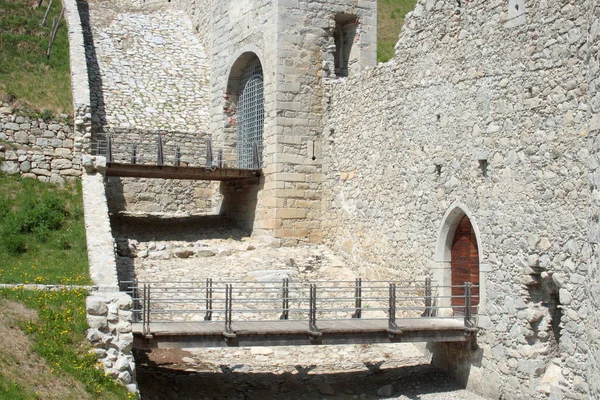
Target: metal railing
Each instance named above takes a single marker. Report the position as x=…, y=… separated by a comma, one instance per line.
x=157, y=152
x=236, y=301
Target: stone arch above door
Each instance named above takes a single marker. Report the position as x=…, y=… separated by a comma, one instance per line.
x=442, y=263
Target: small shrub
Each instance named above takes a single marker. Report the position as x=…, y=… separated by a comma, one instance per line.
x=14, y=243
x=46, y=115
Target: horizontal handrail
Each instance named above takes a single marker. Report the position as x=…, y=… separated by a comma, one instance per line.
x=231, y=301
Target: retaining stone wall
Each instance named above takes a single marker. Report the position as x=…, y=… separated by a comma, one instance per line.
x=38, y=149
x=489, y=113
x=109, y=320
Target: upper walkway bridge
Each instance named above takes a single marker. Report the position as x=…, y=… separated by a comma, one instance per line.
x=271, y=313
x=146, y=158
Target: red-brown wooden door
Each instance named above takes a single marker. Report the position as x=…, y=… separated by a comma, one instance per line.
x=464, y=264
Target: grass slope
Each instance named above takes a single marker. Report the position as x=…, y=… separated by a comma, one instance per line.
x=42, y=234
x=390, y=18
x=44, y=354
x=26, y=76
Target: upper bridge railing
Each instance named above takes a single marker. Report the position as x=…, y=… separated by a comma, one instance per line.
x=312, y=302
x=159, y=152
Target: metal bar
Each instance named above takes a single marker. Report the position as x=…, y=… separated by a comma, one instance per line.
x=209, y=300
x=228, y=311
x=134, y=153
x=177, y=161
x=468, y=311
x=255, y=157
x=357, y=298
x=312, y=314
x=109, y=156
x=209, y=153
x=285, y=293
x=428, y=300
x=220, y=158
x=159, y=151
x=392, y=308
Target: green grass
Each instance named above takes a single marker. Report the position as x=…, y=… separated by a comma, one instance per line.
x=42, y=234
x=26, y=76
x=390, y=18
x=58, y=336
x=13, y=391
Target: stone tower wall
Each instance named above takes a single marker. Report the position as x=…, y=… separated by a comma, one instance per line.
x=483, y=109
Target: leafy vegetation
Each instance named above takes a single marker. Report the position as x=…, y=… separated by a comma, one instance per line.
x=57, y=335
x=39, y=85
x=390, y=18
x=42, y=234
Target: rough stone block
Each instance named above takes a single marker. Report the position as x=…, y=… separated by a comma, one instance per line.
x=61, y=163
x=95, y=305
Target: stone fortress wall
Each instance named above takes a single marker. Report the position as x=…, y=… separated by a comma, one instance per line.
x=293, y=41
x=483, y=110
x=592, y=277
x=150, y=75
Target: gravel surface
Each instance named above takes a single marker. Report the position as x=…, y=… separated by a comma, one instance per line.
x=195, y=248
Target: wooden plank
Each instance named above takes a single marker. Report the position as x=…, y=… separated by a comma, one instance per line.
x=173, y=172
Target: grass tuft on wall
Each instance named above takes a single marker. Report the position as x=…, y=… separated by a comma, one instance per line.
x=390, y=18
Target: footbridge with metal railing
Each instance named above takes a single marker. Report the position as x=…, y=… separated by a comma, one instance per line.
x=157, y=159
x=235, y=313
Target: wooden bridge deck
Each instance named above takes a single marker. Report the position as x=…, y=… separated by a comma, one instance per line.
x=280, y=333
x=172, y=172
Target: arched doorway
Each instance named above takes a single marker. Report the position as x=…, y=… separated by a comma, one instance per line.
x=250, y=116
x=464, y=264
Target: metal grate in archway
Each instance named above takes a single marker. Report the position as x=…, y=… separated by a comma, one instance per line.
x=250, y=116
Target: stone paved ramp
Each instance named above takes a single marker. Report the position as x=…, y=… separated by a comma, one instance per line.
x=151, y=69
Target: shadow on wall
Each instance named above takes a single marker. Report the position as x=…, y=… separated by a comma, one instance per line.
x=163, y=376
x=462, y=361
x=240, y=200
x=94, y=77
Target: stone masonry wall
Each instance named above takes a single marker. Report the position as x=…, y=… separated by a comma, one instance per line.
x=593, y=274
x=200, y=13
x=149, y=73
x=293, y=41
x=37, y=149
x=483, y=109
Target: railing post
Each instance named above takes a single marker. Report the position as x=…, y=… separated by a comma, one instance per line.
x=285, y=294
x=468, y=305
x=146, y=323
x=134, y=153
x=109, y=155
x=229, y=334
x=209, y=153
x=312, y=313
x=159, y=151
x=255, y=156
x=220, y=158
x=177, y=161
x=135, y=295
x=357, y=298
x=209, y=299
x=392, y=307
x=428, y=300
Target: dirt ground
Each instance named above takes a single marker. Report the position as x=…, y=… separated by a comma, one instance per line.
x=179, y=374
x=19, y=364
